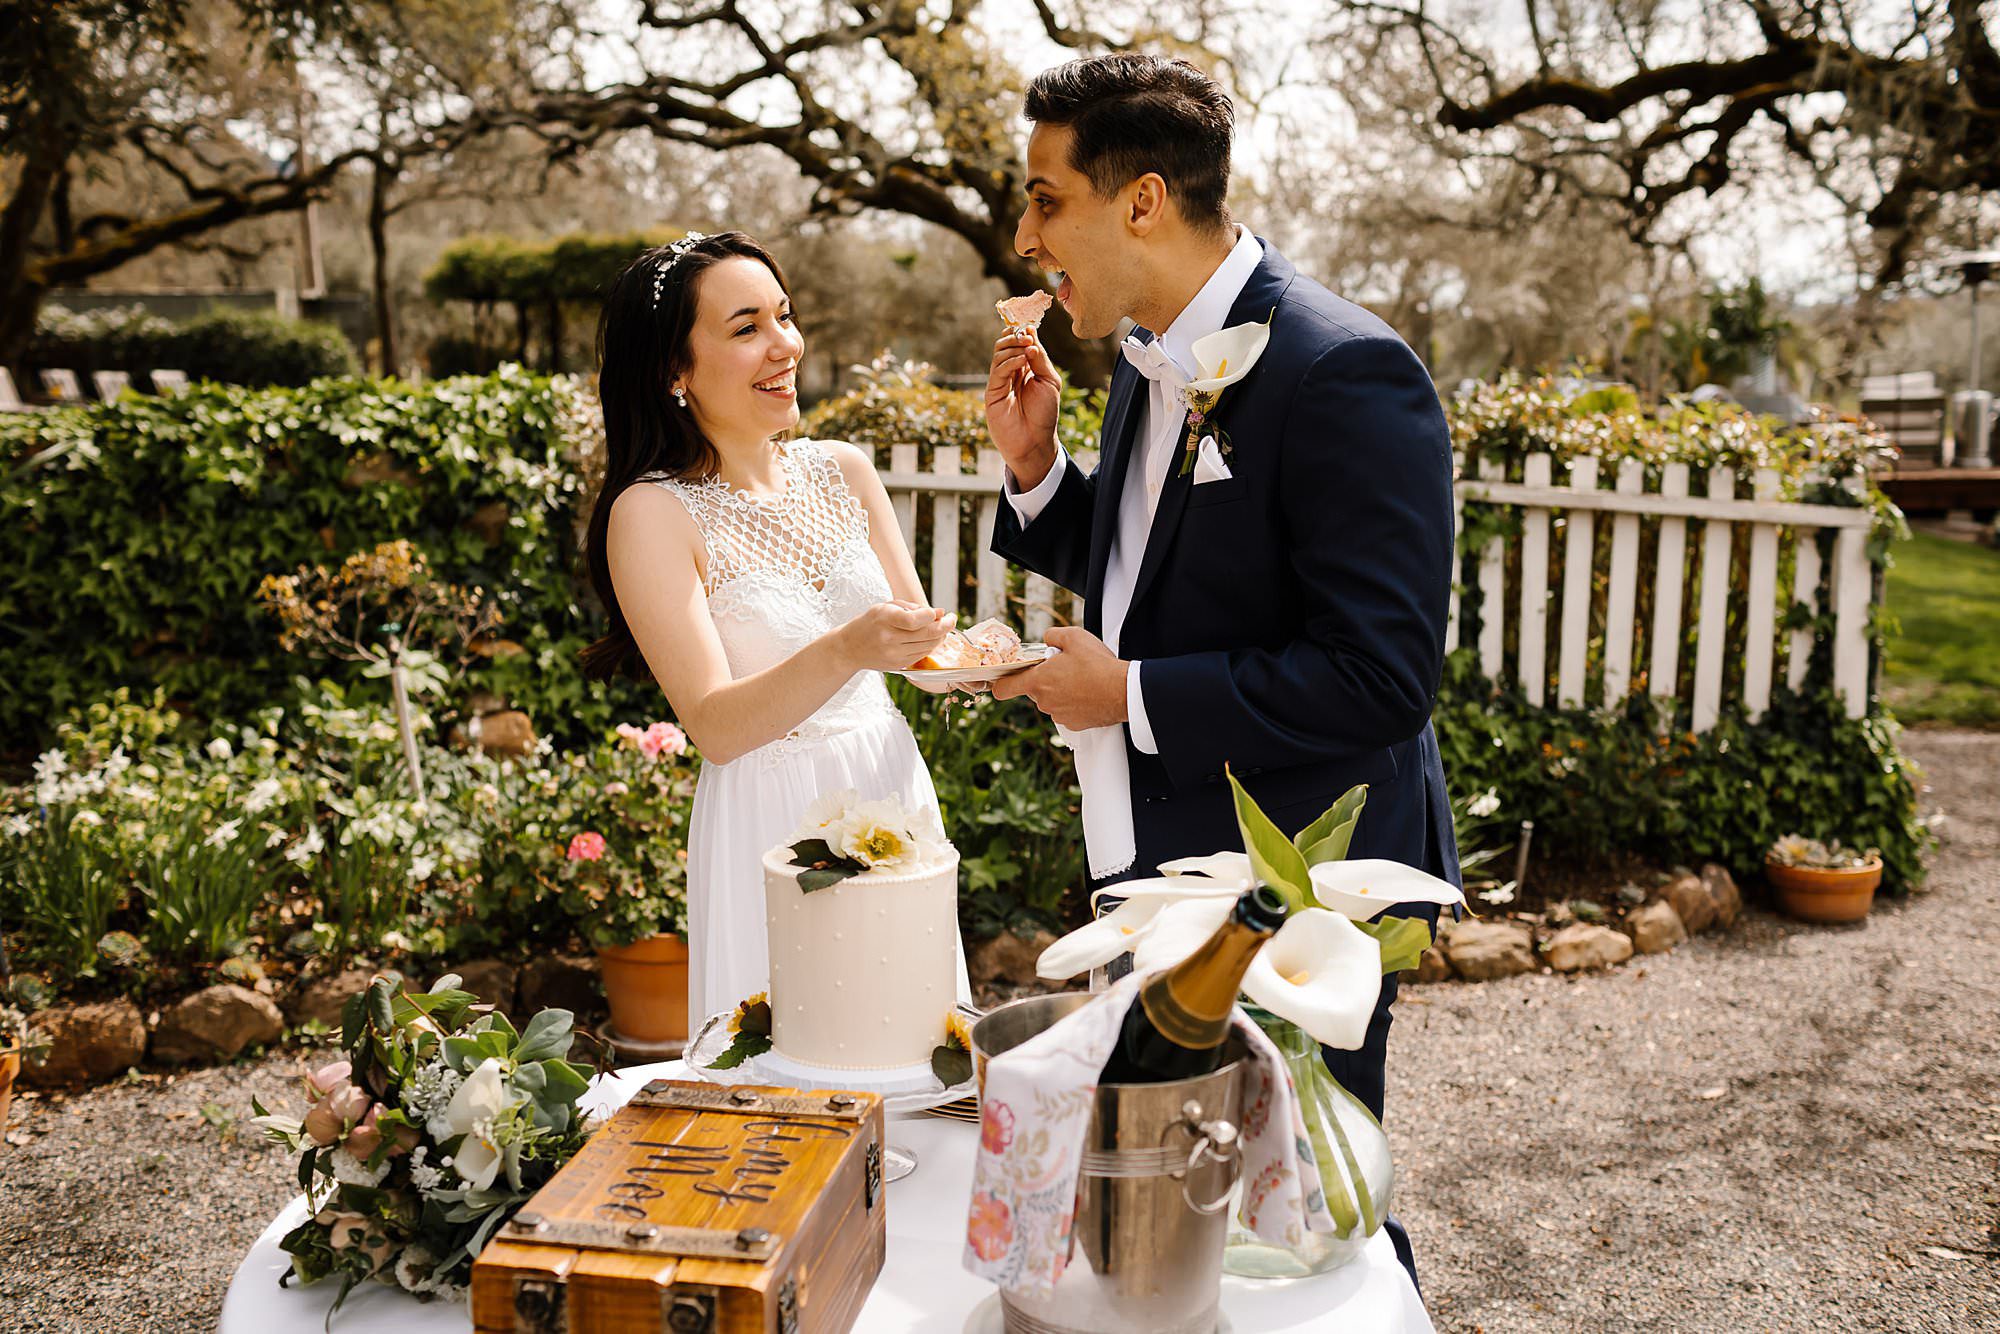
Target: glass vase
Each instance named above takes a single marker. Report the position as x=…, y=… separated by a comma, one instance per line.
x=1355, y=1169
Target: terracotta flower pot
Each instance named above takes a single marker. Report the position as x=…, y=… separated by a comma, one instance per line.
x=1812, y=894
x=10, y=1066
x=646, y=985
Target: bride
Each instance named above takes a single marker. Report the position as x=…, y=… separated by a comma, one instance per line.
x=763, y=581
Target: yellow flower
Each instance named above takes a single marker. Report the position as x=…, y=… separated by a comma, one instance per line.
x=743, y=1010
x=957, y=1032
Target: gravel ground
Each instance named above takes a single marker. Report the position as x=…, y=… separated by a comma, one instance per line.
x=1786, y=1128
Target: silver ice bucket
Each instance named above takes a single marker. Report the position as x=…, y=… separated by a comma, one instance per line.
x=1152, y=1207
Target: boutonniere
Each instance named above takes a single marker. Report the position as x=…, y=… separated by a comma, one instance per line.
x=1224, y=357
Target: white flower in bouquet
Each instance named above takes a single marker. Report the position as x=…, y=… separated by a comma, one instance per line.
x=475, y=1109
x=351, y=1171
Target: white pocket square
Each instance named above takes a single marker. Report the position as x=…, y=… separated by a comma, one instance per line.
x=1208, y=464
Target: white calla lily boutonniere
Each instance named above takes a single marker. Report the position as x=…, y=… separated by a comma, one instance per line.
x=1224, y=357
x=1323, y=970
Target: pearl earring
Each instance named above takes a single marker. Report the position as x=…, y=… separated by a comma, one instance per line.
x=680, y=397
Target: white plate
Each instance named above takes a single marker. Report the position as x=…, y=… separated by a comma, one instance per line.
x=1031, y=655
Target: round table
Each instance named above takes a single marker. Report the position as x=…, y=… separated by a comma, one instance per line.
x=923, y=1288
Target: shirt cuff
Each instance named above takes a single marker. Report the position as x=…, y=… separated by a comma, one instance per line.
x=1136, y=721
x=1028, y=505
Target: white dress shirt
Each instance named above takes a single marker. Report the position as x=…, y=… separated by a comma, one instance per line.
x=1154, y=437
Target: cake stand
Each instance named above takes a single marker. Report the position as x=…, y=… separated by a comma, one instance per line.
x=900, y=1093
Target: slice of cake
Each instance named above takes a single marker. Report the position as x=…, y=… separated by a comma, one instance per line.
x=1024, y=313
x=861, y=914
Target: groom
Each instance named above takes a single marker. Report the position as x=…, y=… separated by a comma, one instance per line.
x=1279, y=606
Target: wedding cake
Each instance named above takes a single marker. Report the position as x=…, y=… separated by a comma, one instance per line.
x=861, y=914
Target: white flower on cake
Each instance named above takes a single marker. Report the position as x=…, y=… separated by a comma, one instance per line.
x=845, y=836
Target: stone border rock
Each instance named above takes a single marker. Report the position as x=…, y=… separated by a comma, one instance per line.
x=100, y=1040
x=1477, y=950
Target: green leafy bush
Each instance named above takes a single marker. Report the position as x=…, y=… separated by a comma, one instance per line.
x=1597, y=782
x=1008, y=793
x=132, y=555
x=576, y=267
x=227, y=345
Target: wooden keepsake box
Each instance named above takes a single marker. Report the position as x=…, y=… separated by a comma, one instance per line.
x=698, y=1208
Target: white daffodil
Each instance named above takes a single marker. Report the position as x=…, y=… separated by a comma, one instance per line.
x=480, y=1099
x=1362, y=889
x=1226, y=356
x=1322, y=973
x=1232, y=868
x=1125, y=927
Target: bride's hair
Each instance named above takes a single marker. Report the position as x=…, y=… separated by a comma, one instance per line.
x=642, y=348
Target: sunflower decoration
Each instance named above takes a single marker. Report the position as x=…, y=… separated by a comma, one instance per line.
x=951, y=1060
x=750, y=1032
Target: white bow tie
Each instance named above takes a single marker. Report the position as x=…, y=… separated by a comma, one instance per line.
x=1151, y=360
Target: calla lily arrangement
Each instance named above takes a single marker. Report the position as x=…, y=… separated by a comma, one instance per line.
x=1323, y=970
x=1224, y=357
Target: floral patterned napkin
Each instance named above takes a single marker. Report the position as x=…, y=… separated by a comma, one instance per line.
x=1035, y=1112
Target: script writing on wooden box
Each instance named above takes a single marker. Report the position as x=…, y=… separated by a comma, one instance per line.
x=699, y=1207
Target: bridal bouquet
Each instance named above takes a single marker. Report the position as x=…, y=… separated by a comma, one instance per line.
x=439, y=1121
x=1323, y=970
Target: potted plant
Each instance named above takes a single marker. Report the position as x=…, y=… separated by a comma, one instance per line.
x=622, y=878
x=1822, y=882
x=17, y=1042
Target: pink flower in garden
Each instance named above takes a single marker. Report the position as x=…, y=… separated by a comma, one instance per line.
x=586, y=847
x=996, y=1127
x=990, y=1230
x=663, y=737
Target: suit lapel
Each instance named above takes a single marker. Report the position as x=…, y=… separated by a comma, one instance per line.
x=1121, y=415
x=1254, y=304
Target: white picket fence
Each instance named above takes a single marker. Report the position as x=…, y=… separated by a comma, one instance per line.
x=950, y=496
x=1763, y=522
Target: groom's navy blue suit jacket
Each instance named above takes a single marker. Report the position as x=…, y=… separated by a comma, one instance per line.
x=1290, y=617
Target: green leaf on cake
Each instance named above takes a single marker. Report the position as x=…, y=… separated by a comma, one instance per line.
x=1403, y=940
x=823, y=878
x=952, y=1065
x=824, y=866
x=740, y=1050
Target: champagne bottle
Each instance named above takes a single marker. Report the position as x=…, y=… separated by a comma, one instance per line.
x=1175, y=1029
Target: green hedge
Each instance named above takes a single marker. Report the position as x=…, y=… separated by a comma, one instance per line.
x=130, y=557
x=577, y=267
x=230, y=346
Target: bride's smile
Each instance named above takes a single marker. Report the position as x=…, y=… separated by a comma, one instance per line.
x=745, y=348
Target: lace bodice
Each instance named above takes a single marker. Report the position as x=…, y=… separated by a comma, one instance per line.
x=784, y=571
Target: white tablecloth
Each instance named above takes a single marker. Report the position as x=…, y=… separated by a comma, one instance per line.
x=922, y=1290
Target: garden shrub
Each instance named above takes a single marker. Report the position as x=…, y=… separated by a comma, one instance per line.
x=228, y=345
x=132, y=556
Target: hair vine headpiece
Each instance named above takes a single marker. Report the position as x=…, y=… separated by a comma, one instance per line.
x=675, y=252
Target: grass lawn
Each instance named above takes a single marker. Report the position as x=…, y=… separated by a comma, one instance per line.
x=1942, y=661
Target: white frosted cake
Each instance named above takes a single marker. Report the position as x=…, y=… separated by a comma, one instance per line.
x=863, y=972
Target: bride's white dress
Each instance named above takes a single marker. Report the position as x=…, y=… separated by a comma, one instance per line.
x=781, y=573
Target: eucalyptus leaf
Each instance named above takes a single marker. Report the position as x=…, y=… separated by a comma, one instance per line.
x=550, y=1033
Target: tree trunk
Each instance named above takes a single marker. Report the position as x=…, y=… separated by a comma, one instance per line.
x=378, y=246
x=555, y=334
x=521, y=332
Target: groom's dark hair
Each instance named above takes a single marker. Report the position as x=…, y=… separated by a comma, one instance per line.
x=1132, y=114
